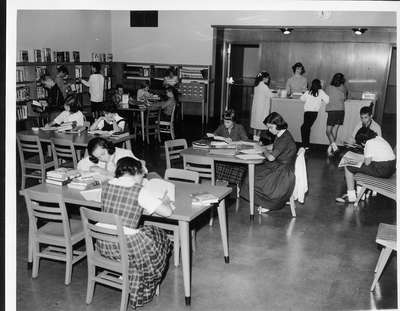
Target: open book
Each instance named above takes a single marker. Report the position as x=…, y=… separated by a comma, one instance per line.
x=351, y=159
x=154, y=190
x=220, y=138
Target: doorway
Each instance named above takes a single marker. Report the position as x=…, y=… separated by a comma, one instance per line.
x=389, y=114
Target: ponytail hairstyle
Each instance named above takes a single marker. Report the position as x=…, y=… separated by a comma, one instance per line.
x=128, y=165
x=315, y=87
x=261, y=76
x=99, y=142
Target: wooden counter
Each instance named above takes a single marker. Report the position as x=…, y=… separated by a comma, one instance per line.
x=292, y=111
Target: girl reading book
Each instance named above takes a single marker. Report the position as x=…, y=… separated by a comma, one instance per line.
x=109, y=121
x=148, y=247
x=71, y=114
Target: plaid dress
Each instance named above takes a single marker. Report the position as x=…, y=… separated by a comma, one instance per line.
x=148, y=249
x=232, y=173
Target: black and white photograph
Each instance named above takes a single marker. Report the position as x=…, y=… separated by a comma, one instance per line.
x=201, y=156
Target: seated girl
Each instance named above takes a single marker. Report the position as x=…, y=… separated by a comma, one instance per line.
x=103, y=157
x=110, y=121
x=168, y=106
x=379, y=161
x=274, y=179
x=148, y=247
x=232, y=173
x=144, y=92
x=70, y=114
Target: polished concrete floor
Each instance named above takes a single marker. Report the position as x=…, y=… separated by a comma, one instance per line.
x=321, y=260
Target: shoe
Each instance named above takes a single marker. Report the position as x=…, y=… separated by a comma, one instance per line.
x=262, y=210
x=329, y=151
x=344, y=199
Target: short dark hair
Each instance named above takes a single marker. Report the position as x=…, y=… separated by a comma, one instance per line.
x=145, y=84
x=315, y=87
x=45, y=77
x=62, y=69
x=174, y=91
x=276, y=118
x=338, y=79
x=364, y=134
x=261, y=76
x=109, y=107
x=71, y=102
x=96, y=67
x=99, y=142
x=229, y=115
x=128, y=165
x=366, y=110
x=298, y=65
x=118, y=86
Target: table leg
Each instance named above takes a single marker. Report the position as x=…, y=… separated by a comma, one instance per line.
x=251, y=190
x=142, y=122
x=185, y=251
x=182, y=111
x=202, y=116
x=224, y=230
x=30, y=247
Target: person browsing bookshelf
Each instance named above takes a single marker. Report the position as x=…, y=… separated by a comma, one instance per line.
x=96, y=89
x=379, y=161
x=71, y=114
x=148, y=247
x=171, y=79
x=61, y=80
x=55, y=98
x=109, y=121
x=103, y=157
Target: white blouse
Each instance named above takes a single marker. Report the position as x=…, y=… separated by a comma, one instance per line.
x=67, y=116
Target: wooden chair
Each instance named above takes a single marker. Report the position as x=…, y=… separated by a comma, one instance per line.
x=152, y=125
x=59, y=232
x=64, y=153
x=384, y=186
x=181, y=175
x=168, y=126
x=116, y=271
x=386, y=237
x=32, y=158
x=173, y=149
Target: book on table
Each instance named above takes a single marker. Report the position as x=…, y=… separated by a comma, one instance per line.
x=61, y=176
x=76, y=130
x=203, y=198
x=57, y=182
x=352, y=159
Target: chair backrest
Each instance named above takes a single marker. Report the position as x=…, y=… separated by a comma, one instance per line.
x=93, y=233
x=29, y=146
x=63, y=149
x=47, y=207
x=173, y=149
x=153, y=117
x=203, y=165
x=182, y=175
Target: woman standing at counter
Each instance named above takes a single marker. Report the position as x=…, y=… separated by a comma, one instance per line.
x=297, y=83
x=261, y=103
x=313, y=100
x=337, y=95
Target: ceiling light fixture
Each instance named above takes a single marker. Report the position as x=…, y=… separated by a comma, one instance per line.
x=359, y=31
x=286, y=31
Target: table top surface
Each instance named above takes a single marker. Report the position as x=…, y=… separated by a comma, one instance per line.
x=183, y=201
x=154, y=105
x=218, y=157
x=81, y=139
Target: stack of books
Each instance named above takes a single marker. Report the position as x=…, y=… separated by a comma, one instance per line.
x=201, y=144
x=61, y=176
x=204, y=198
x=84, y=182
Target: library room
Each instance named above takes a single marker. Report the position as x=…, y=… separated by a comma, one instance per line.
x=182, y=159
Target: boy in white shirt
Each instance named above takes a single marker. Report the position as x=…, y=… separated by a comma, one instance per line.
x=96, y=89
x=379, y=161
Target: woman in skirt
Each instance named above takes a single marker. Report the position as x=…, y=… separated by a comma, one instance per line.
x=274, y=179
x=232, y=173
x=379, y=161
x=148, y=247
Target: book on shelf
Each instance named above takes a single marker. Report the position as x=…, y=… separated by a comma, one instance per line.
x=46, y=52
x=109, y=57
x=38, y=55
x=203, y=198
x=352, y=159
x=22, y=112
x=23, y=56
x=66, y=56
x=78, y=71
x=40, y=70
x=20, y=75
x=60, y=57
x=76, y=57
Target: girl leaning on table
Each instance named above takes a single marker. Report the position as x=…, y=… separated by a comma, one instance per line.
x=148, y=246
x=379, y=161
x=71, y=114
x=274, y=179
x=109, y=121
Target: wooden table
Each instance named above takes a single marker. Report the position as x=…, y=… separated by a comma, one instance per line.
x=184, y=213
x=142, y=110
x=227, y=158
x=79, y=140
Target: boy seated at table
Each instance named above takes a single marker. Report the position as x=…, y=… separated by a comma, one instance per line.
x=70, y=114
x=232, y=173
x=109, y=121
x=168, y=106
x=144, y=92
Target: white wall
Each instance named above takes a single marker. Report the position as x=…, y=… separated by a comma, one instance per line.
x=186, y=36
x=64, y=30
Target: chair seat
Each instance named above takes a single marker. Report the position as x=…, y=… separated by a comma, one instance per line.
x=386, y=235
x=54, y=231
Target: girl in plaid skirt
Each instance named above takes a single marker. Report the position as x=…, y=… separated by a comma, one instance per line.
x=148, y=247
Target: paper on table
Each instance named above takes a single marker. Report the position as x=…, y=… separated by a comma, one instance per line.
x=127, y=230
x=230, y=152
x=218, y=143
x=153, y=191
x=92, y=194
x=250, y=157
x=251, y=151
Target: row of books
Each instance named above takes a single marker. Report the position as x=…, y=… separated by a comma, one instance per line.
x=40, y=70
x=41, y=92
x=22, y=112
x=23, y=93
x=76, y=87
x=78, y=71
x=45, y=55
x=21, y=75
x=192, y=73
x=102, y=57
